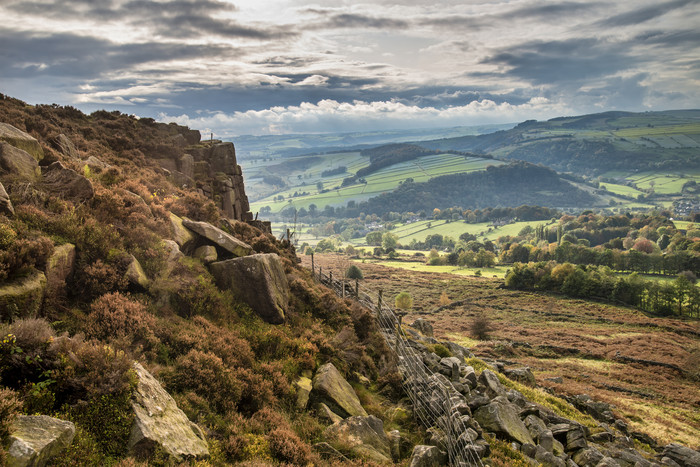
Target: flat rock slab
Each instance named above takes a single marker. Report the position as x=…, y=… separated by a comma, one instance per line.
x=330, y=388
x=35, y=439
x=364, y=436
x=684, y=456
x=259, y=280
x=217, y=236
x=21, y=140
x=159, y=422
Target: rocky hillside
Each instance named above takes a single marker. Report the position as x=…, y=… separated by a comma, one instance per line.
x=146, y=319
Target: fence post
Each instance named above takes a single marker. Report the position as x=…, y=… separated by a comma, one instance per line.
x=313, y=269
x=320, y=274
x=398, y=333
x=357, y=288
x=379, y=303
x=342, y=284
x=330, y=279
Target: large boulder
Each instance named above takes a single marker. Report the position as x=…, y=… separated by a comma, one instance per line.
x=501, y=417
x=17, y=163
x=59, y=267
x=159, y=423
x=257, y=279
x=217, y=236
x=303, y=388
x=36, y=439
x=493, y=385
x=523, y=375
x=5, y=203
x=428, y=456
x=330, y=388
x=66, y=183
x=183, y=237
x=363, y=436
x=135, y=275
x=22, y=298
x=423, y=326
x=683, y=456
x=21, y=140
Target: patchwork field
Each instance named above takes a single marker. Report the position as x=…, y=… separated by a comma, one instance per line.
x=300, y=181
x=583, y=343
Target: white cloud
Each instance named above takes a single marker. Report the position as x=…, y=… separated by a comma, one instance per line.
x=332, y=116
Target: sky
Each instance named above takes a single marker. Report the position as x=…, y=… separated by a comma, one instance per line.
x=290, y=66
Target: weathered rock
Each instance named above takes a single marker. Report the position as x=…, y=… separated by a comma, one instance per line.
x=362, y=435
x=206, y=254
x=36, y=439
x=160, y=423
x=5, y=203
x=65, y=146
x=136, y=275
x=428, y=456
x=547, y=459
x=501, y=417
x=303, y=388
x=682, y=455
x=523, y=375
x=575, y=439
x=469, y=378
x=21, y=140
x=59, y=268
x=259, y=280
x=218, y=237
x=18, y=163
x=173, y=250
x=494, y=388
x=423, y=326
x=587, y=457
x=328, y=452
x=182, y=236
x=325, y=413
x=93, y=162
x=598, y=410
x=330, y=388
x=608, y=462
x=434, y=436
x=187, y=165
x=66, y=183
x=22, y=298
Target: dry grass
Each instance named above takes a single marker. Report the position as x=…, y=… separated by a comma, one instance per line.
x=576, y=340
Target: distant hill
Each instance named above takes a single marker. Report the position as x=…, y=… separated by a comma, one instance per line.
x=509, y=185
x=596, y=143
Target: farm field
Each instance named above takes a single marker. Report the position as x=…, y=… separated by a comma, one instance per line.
x=387, y=179
x=662, y=182
x=497, y=271
x=623, y=190
x=576, y=340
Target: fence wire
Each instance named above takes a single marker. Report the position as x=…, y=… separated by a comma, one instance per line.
x=432, y=395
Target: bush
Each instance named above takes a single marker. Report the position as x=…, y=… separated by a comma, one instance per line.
x=286, y=446
x=481, y=326
x=354, y=272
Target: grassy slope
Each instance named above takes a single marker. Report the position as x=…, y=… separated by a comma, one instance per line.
x=573, y=339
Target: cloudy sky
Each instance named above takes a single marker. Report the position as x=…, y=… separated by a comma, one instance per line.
x=281, y=66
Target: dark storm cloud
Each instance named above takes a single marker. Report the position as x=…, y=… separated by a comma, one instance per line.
x=645, y=14
x=176, y=18
x=71, y=55
x=543, y=62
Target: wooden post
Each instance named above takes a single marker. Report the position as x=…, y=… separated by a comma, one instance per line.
x=398, y=333
x=288, y=237
x=330, y=279
x=379, y=303
x=342, y=284
x=320, y=274
x=313, y=270
x=357, y=288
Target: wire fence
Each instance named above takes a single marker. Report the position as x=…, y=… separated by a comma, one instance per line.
x=436, y=402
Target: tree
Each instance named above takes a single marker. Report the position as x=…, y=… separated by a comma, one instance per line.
x=312, y=210
x=389, y=241
x=319, y=185
x=404, y=301
x=353, y=272
x=374, y=238
x=444, y=299
x=481, y=326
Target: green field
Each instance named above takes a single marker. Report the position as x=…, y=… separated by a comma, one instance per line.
x=498, y=271
x=664, y=183
x=387, y=179
x=623, y=190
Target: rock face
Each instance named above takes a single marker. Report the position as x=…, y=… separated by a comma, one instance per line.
x=35, y=439
x=59, y=267
x=502, y=418
x=159, y=422
x=18, y=163
x=67, y=183
x=21, y=140
x=22, y=298
x=364, y=436
x=259, y=280
x=5, y=203
x=330, y=388
x=217, y=236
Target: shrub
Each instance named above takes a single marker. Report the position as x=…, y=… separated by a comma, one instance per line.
x=10, y=406
x=441, y=351
x=99, y=277
x=481, y=326
x=354, y=272
x=286, y=446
